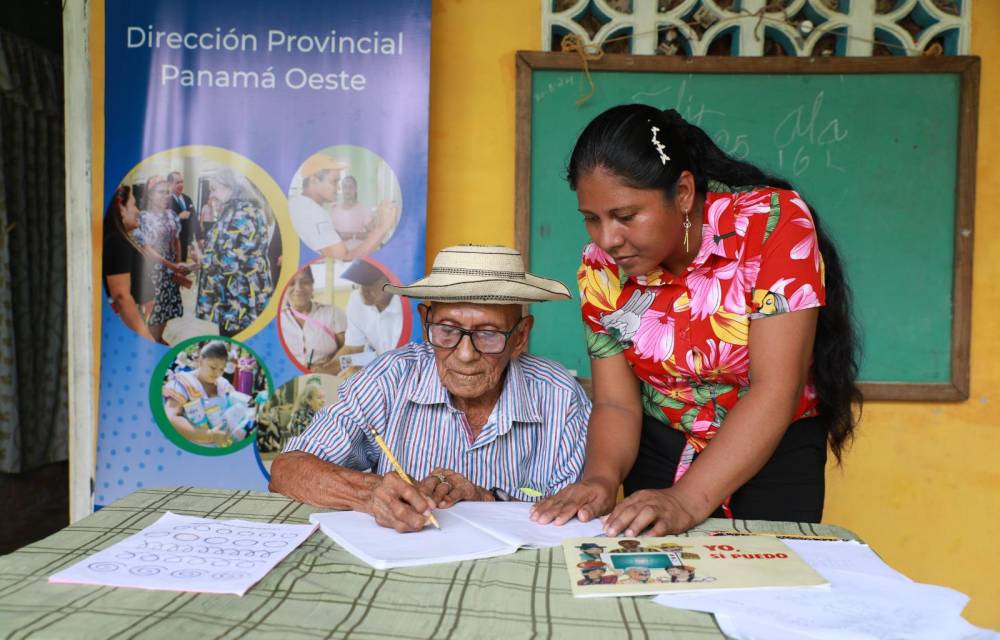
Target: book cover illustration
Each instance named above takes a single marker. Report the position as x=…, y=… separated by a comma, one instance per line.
x=644, y=565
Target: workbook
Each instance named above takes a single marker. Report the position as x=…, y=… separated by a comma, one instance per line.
x=469, y=530
x=646, y=565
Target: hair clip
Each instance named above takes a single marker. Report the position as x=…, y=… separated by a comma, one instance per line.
x=659, y=146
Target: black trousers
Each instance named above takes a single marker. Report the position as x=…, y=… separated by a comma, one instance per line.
x=789, y=487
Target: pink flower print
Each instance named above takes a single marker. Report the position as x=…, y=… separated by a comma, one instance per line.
x=654, y=339
x=803, y=298
x=806, y=245
x=706, y=292
x=727, y=361
x=753, y=202
x=592, y=254
x=748, y=204
x=742, y=276
x=715, y=211
x=743, y=281
x=701, y=427
x=694, y=361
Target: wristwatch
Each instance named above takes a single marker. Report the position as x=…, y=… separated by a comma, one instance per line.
x=500, y=495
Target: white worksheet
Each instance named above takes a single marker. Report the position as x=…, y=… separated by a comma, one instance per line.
x=868, y=600
x=187, y=553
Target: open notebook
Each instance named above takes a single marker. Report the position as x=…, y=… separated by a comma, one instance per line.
x=469, y=530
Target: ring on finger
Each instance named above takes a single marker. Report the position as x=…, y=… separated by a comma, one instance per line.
x=442, y=479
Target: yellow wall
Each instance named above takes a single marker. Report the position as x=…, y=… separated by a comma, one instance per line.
x=921, y=478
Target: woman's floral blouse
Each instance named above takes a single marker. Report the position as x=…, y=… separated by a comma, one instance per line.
x=685, y=336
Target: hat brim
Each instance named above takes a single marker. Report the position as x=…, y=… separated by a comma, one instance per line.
x=439, y=288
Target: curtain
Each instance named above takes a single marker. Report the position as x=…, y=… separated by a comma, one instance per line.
x=33, y=338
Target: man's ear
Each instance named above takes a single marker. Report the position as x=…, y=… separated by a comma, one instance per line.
x=519, y=341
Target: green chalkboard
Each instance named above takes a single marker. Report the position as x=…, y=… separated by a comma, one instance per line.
x=883, y=149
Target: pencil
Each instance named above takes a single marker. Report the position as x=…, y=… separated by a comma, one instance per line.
x=395, y=465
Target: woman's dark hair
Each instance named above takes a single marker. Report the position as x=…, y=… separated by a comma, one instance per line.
x=216, y=349
x=113, y=214
x=620, y=140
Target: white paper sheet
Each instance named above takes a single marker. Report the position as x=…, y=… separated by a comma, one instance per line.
x=384, y=548
x=186, y=553
x=867, y=600
x=510, y=521
x=468, y=531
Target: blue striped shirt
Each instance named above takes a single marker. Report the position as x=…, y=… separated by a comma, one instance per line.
x=535, y=437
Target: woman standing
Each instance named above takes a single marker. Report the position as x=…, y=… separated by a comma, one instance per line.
x=246, y=368
x=159, y=236
x=123, y=260
x=718, y=379
x=235, y=283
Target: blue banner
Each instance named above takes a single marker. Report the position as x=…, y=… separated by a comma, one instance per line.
x=264, y=174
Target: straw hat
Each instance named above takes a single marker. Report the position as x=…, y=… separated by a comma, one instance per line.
x=483, y=274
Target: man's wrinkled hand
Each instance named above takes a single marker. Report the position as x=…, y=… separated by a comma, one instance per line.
x=446, y=487
x=397, y=505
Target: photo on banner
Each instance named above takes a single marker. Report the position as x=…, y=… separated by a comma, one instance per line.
x=288, y=412
x=239, y=148
x=345, y=202
x=335, y=317
x=174, y=266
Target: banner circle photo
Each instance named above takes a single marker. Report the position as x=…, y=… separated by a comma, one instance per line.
x=289, y=411
x=335, y=317
x=206, y=394
x=345, y=202
x=193, y=243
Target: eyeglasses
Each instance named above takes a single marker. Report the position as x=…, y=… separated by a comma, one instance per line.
x=448, y=336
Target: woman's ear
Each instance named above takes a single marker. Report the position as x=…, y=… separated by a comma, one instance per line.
x=685, y=192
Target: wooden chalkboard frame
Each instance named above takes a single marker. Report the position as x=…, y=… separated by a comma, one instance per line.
x=967, y=67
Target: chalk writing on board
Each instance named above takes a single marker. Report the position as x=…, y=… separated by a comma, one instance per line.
x=802, y=130
x=549, y=88
x=698, y=114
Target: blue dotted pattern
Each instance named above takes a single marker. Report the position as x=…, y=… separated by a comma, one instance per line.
x=132, y=452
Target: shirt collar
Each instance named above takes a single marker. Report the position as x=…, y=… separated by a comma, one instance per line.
x=516, y=402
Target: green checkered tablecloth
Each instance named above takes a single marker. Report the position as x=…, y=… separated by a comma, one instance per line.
x=321, y=591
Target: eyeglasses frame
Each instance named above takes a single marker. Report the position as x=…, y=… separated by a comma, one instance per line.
x=469, y=332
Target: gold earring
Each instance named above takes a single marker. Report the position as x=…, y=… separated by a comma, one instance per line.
x=687, y=229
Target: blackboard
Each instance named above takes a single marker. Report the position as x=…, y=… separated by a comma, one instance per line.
x=883, y=149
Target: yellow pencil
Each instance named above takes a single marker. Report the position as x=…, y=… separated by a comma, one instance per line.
x=395, y=465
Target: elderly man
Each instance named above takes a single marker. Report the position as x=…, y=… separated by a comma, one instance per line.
x=468, y=414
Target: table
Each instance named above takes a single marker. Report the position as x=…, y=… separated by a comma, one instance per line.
x=321, y=591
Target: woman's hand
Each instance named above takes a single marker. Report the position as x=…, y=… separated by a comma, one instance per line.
x=220, y=439
x=660, y=511
x=584, y=500
x=446, y=487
